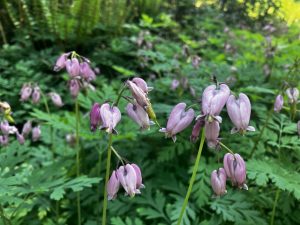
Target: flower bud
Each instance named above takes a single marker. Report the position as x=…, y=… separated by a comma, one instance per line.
x=293, y=95
x=142, y=84
x=179, y=120
x=4, y=126
x=60, y=62
x=72, y=67
x=235, y=169
x=25, y=92
x=56, y=99
x=74, y=87
x=4, y=140
x=278, y=103
x=174, y=85
x=212, y=130
x=110, y=117
x=27, y=127
x=213, y=100
x=139, y=95
x=113, y=186
x=86, y=72
x=218, y=181
x=128, y=179
x=196, y=129
x=138, y=115
x=95, y=117
x=36, y=133
x=239, y=111
x=36, y=95
x=20, y=138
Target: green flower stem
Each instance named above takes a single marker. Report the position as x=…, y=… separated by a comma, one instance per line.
x=117, y=154
x=227, y=149
x=270, y=113
x=274, y=207
x=109, y=148
x=48, y=111
x=77, y=160
x=193, y=177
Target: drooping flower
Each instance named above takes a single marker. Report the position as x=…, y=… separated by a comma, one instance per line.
x=293, y=95
x=218, y=181
x=142, y=84
x=20, y=138
x=74, y=86
x=174, y=85
x=235, y=169
x=212, y=130
x=239, y=111
x=60, y=62
x=110, y=117
x=278, y=103
x=179, y=120
x=128, y=179
x=95, y=117
x=36, y=133
x=139, y=179
x=27, y=127
x=139, y=95
x=213, y=101
x=56, y=99
x=4, y=126
x=86, y=72
x=138, y=115
x=4, y=140
x=196, y=129
x=113, y=186
x=36, y=95
x=73, y=67
x=25, y=92
x=196, y=61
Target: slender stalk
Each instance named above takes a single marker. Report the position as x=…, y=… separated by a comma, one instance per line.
x=106, y=179
x=270, y=113
x=193, y=177
x=99, y=174
x=51, y=128
x=227, y=149
x=274, y=207
x=117, y=154
x=77, y=160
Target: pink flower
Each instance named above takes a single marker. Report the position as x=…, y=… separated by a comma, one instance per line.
x=235, y=168
x=4, y=126
x=128, y=179
x=25, y=92
x=74, y=86
x=72, y=67
x=196, y=129
x=293, y=95
x=142, y=84
x=179, y=120
x=218, y=181
x=113, y=186
x=213, y=101
x=60, y=62
x=27, y=127
x=36, y=133
x=278, y=103
x=86, y=72
x=138, y=115
x=239, y=111
x=212, y=131
x=110, y=117
x=95, y=117
x=56, y=99
x=20, y=138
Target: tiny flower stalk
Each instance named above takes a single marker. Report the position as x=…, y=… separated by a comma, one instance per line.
x=193, y=177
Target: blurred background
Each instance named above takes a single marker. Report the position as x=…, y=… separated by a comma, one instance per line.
x=177, y=46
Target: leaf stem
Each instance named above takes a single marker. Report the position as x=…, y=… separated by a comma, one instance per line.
x=77, y=160
x=109, y=148
x=274, y=207
x=193, y=177
x=227, y=149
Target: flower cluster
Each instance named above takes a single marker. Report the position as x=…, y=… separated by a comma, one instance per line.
x=79, y=70
x=292, y=95
x=34, y=91
x=129, y=176
x=234, y=170
x=6, y=130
